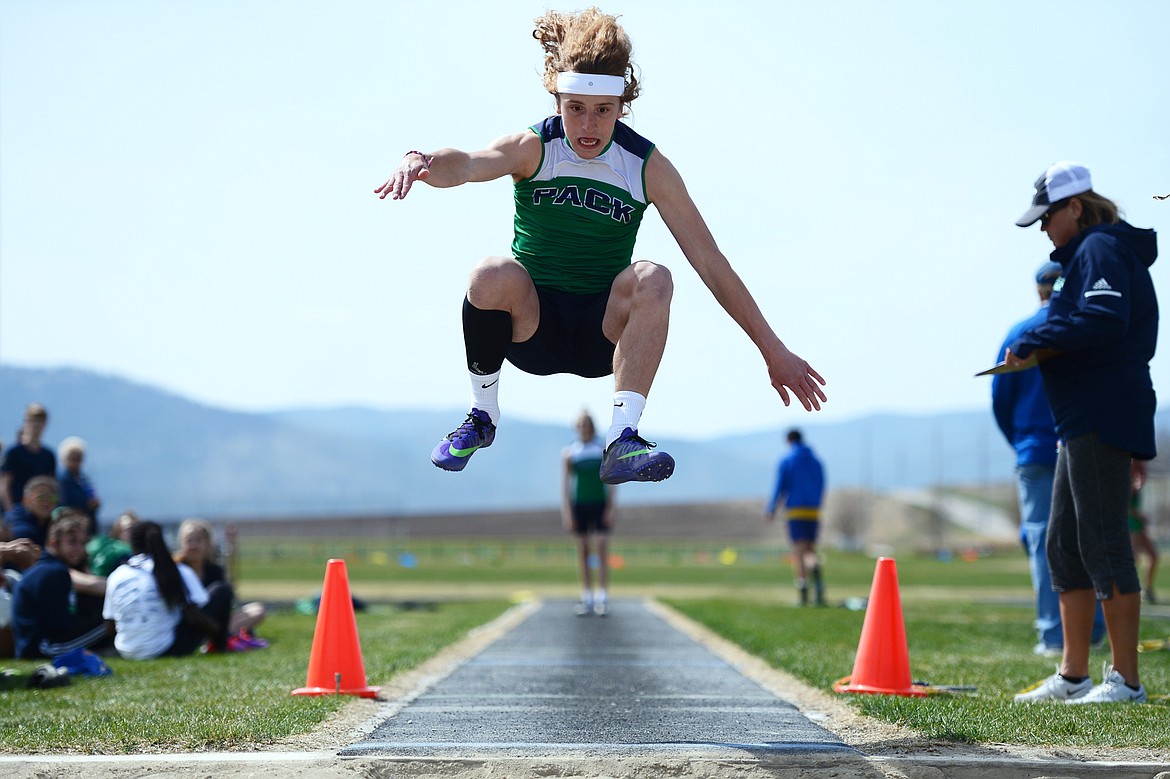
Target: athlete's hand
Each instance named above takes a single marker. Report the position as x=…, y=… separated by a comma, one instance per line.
x=414, y=167
x=789, y=372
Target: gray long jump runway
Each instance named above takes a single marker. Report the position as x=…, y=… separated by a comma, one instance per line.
x=628, y=682
x=561, y=695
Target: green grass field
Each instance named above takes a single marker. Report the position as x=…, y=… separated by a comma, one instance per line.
x=496, y=565
x=967, y=623
x=221, y=701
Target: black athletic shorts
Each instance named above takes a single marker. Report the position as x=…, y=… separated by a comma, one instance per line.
x=587, y=518
x=568, y=338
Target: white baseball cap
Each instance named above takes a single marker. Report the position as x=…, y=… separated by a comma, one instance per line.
x=1061, y=180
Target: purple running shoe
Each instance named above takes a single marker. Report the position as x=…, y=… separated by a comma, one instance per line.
x=631, y=458
x=476, y=433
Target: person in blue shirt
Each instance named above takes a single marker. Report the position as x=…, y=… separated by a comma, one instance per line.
x=800, y=483
x=45, y=621
x=31, y=516
x=1022, y=414
x=1094, y=351
x=76, y=488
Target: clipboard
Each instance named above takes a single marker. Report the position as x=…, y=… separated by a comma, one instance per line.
x=1003, y=367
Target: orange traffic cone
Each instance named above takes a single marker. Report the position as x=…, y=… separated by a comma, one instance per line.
x=335, y=662
x=883, y=662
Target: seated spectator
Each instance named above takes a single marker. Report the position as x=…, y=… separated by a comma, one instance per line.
x=160, y=607
x=197, y=550
x=91, y=589
x=76, y=489
x=27, y=459
x=109, y=551
x=30, y=518
x=43, y=607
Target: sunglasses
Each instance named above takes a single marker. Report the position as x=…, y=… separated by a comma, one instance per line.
x=1048, y=214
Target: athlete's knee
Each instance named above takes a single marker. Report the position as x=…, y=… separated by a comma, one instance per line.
x=653, y=283
x=496, y=280
x=497, y=269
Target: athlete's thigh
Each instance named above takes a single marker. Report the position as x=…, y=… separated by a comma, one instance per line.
x=621, y=297
x=503, y=284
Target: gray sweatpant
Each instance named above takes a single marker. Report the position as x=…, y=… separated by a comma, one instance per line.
x=1088, y=535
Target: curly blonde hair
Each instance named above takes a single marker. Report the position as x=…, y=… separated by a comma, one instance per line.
x=586, y=42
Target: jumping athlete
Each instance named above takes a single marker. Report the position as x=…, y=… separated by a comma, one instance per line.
x=569, y=299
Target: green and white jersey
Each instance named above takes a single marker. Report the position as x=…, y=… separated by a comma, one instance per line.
x=585, y=460
x=577, y=220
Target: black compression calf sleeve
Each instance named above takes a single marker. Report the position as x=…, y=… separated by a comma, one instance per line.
x=487, y=336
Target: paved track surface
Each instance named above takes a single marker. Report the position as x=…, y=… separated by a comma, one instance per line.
x=620, y=683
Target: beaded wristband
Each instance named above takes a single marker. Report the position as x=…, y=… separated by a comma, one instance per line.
x=427, y=160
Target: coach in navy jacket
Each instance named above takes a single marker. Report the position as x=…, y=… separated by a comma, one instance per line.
x=1094, y=351
x=1103, y=325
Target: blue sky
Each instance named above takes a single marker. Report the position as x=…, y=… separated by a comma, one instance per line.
x=186, y=190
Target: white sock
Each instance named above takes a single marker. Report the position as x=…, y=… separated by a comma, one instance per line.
x=627, y=411
x=586, y=598
x=485, y=391
x=599, y=596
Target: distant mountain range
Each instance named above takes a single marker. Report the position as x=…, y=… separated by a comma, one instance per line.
x=168, y=457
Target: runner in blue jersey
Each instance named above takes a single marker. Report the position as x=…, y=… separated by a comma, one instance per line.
x=569, y=299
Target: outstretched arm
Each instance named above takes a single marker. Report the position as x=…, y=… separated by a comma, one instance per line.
x=517, y=154
x=786, y=370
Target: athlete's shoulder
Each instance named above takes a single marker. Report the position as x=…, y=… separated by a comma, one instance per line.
x=550, y=128
x=627, y=138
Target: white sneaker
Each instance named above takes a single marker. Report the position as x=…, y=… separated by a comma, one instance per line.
x=1043, y=650
x=1113, y=690
x=1055, y=688
x=599, y=608
x=583, y=608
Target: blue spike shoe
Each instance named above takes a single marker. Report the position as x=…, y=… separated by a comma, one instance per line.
x=477, y=432
x=632, y=458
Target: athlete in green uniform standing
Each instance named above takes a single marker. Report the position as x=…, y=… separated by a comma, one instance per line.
x=587, y=511
x=570, y=299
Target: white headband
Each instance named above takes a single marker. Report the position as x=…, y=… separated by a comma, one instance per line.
x=590, y=84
